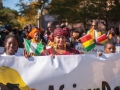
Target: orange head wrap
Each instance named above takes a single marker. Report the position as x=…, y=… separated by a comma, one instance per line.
x=33, y=31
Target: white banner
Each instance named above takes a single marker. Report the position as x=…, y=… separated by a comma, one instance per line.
x=97, y=48
x=73, y=72
x=20, y=50
x=78, y=46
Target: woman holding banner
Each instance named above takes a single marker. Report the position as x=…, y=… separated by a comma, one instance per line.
x=59, y=47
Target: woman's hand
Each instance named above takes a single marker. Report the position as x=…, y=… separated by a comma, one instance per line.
x=81, y=52
x=99, y=54
x=52, y=55
x=27, y=54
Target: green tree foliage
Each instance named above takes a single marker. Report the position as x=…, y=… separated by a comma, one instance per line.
x=8, y=16
x=115, y=11
x=65, y=9
x=29, y=11
x=75, y=11
x=86, y=10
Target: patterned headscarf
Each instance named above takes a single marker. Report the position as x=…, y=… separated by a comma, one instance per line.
x=33, y=31
x=58, y=32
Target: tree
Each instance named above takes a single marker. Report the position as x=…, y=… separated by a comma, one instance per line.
x=29, y=11
x=28, y=14
x=115, y=11
x=65, y=9
x=8, y=16
x=86, y=10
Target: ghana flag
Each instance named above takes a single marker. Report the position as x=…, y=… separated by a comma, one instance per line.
x=87, y=42
x=102, y=39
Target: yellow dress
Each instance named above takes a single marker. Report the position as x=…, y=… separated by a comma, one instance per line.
x=95, y=34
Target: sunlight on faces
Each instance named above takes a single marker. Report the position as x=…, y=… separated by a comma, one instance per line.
x=75, y=34
x=11, y=46
x=37, y=36
x=60, y=40
x=94, y=25
x=110, y=48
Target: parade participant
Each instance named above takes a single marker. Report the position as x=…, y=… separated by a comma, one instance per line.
x=35, y=38
x=109, y=47
x=94, y=32
x=27, y=30
x=50, y=29
x=11, y=45
x=112, y=35
x=75, y=37
x=60, y=47
x=35, y=35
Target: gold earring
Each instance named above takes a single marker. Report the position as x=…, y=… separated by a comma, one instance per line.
x=65, y=46
x=55, y=46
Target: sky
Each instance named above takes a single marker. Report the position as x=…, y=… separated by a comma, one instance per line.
x=11, y=3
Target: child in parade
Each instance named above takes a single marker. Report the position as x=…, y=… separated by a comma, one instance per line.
x=109, y=47
x=11, y=45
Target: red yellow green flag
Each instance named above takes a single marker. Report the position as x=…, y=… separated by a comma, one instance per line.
x=87, y=42
x=102, y=39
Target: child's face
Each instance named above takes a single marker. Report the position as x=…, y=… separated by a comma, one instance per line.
x=11, y=46
x=110, y=48
x=75, y=35
x=37, y=36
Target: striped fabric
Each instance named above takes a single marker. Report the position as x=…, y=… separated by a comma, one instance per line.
x=33, y=47
x=87, y=42
x=102, y=39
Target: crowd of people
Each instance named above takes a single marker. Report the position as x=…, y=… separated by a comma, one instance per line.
x=57, y=39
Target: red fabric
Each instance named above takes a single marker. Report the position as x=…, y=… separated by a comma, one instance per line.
x=68, y=52
x=34, y=30
x=85, y=38
x=102, y=38
x=58, y=32
x=66, y=31
x=51, y=37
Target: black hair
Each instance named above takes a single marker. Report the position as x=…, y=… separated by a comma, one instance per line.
x=109, y=42
x=79, y=32
x=11, y=86
x=11, y=35
x=117, y=88
x=76, y=31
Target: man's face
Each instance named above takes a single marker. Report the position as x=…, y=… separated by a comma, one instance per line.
x=52, y=28
x=94, y=26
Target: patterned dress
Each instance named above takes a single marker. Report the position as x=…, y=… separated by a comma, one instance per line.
x=69, y=51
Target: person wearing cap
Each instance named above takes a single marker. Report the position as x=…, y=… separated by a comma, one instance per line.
x=60, y=47
x=94, y=32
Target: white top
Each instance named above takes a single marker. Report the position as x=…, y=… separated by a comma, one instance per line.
x=16, y=54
